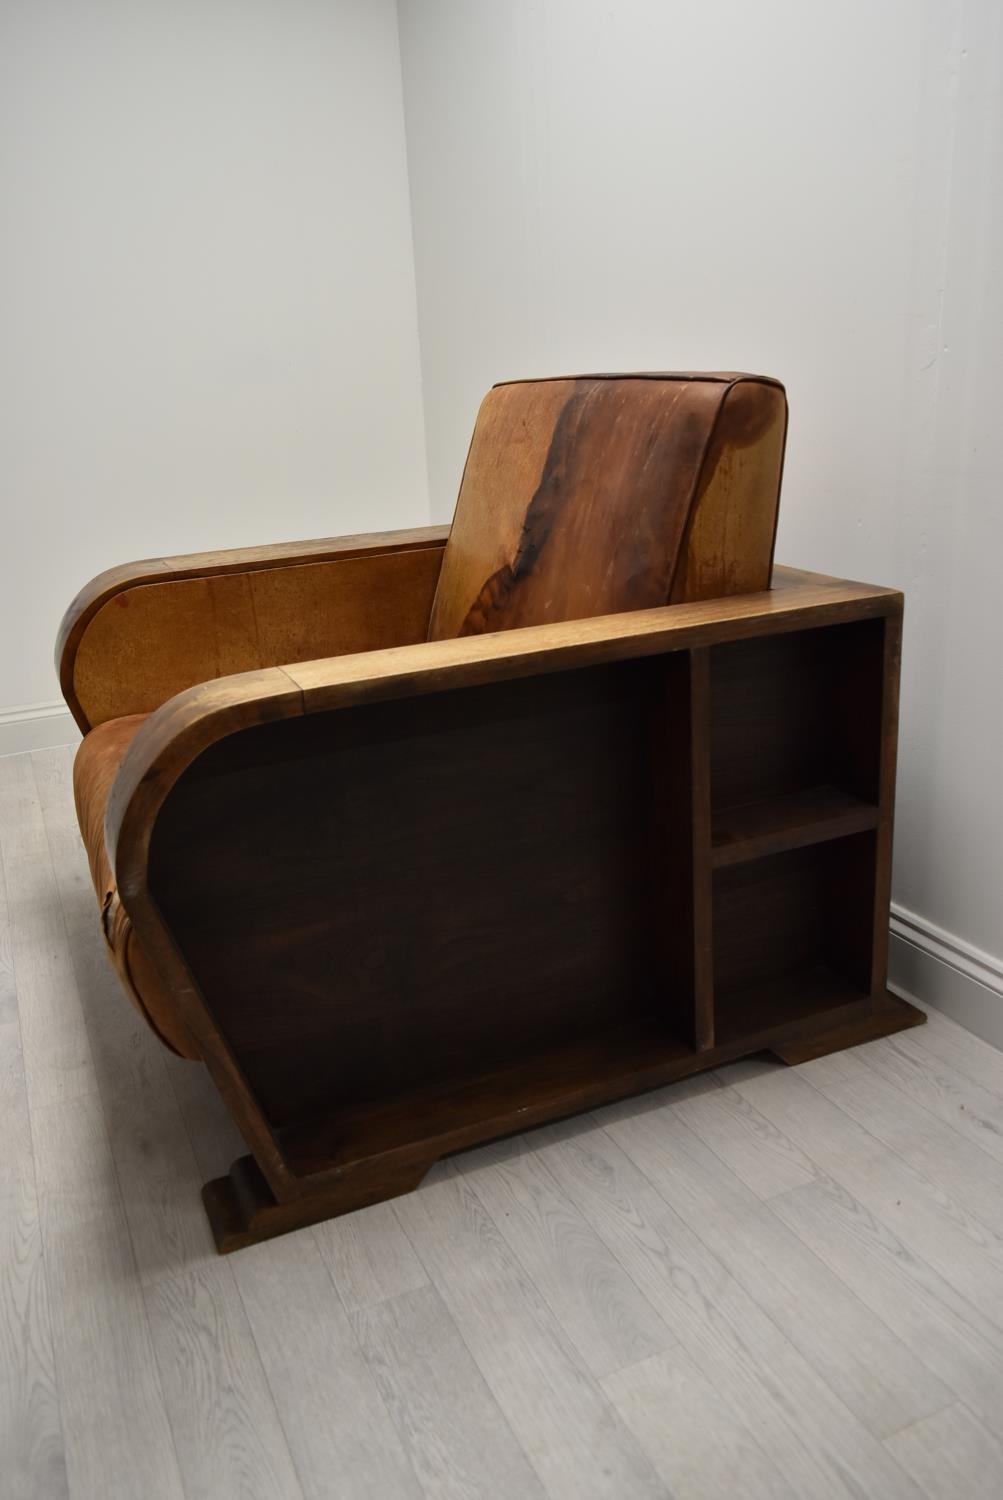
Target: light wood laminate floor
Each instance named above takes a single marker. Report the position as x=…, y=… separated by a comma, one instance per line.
x=766, y=1282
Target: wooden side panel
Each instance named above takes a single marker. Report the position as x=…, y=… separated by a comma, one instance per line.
x=420, y=890
x=151, y=641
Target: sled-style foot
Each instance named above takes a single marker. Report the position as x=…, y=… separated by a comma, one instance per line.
x=891, y=1014
x=243, y=1210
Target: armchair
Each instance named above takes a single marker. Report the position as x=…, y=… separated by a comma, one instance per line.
x=419, y=839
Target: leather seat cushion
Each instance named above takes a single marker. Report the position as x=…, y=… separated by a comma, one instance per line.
x=94, y=771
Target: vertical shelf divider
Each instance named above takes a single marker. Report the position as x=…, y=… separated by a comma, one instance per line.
x=890, y=670
x=700, y=806
x=679, y=847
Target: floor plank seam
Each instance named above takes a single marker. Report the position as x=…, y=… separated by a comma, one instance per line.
x=279, y=1424
x=926, y=1183
x=852, y=1419
x=919, y=1104
x=503, y=1415
x=43, y=1269
x=825, y=1178
x=120, y=1194
x=941, y=1022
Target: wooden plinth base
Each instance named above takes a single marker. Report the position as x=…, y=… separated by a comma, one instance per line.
x=893, y=1014
x=243, y=1210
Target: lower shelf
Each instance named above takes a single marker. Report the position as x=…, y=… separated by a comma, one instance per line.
x=384, y=1151
x=787, y=1001
x=579, y=1074
x=812, y=816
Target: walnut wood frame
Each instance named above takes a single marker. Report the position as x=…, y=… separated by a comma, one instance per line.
x=731, y=762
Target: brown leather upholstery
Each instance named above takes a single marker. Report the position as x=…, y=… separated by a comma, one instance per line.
x=94, y=771
x=597, y=493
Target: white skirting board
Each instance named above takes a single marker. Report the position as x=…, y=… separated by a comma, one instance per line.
x=36, y=726
x=937, y=968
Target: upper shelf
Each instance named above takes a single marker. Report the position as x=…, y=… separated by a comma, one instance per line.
x=806, y=817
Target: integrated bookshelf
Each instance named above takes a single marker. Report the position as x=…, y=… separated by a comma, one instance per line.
x=534, y=893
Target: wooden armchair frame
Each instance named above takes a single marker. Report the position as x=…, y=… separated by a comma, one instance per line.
x=476, y=884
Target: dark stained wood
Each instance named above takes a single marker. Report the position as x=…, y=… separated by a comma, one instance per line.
x=888, y=1015
x=138, y=634
x=679, y=790
x=242, y=1210
x=387, y=1150
x=796, y=713
x=171, y=740
x=883, y=685
x=700, y=839
x=598, y=494
x=789, y=913
x=414, y=899
x=788, y=821
x=479, y=855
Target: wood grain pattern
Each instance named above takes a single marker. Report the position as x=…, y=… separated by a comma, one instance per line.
x=951, y=1453
x=728, y=546
x=877, y=1377
x=8, y=986
x=31, y=1438
x=760, y=1155
x=699, y=1445
x=522, y=1352
x=138, y=634
x=226, y=1429
x=963, y=1052
x=598, y=494
x=736, y=1345
x=958, y=1247
x=969, y=1108
x=610, y=1323
x=950, y=1158
x=369, y=1257
x=947, y=1332
x=56, y=1052
x=118, y=1439
x=338, y=1428
x=440, y=1405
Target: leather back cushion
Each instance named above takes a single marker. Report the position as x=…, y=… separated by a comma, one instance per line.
x=595, y=494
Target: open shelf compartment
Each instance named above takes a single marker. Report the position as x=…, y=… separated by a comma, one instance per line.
x=496, y=875
x=795, y=740
x=793, y=935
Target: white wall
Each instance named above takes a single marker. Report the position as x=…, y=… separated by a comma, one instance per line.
x=801, y=187
x=206, y=292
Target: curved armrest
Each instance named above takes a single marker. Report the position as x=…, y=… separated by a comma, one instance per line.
x=183, y=728
x=137, y=635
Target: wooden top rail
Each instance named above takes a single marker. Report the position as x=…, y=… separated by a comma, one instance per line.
x=177, y=733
